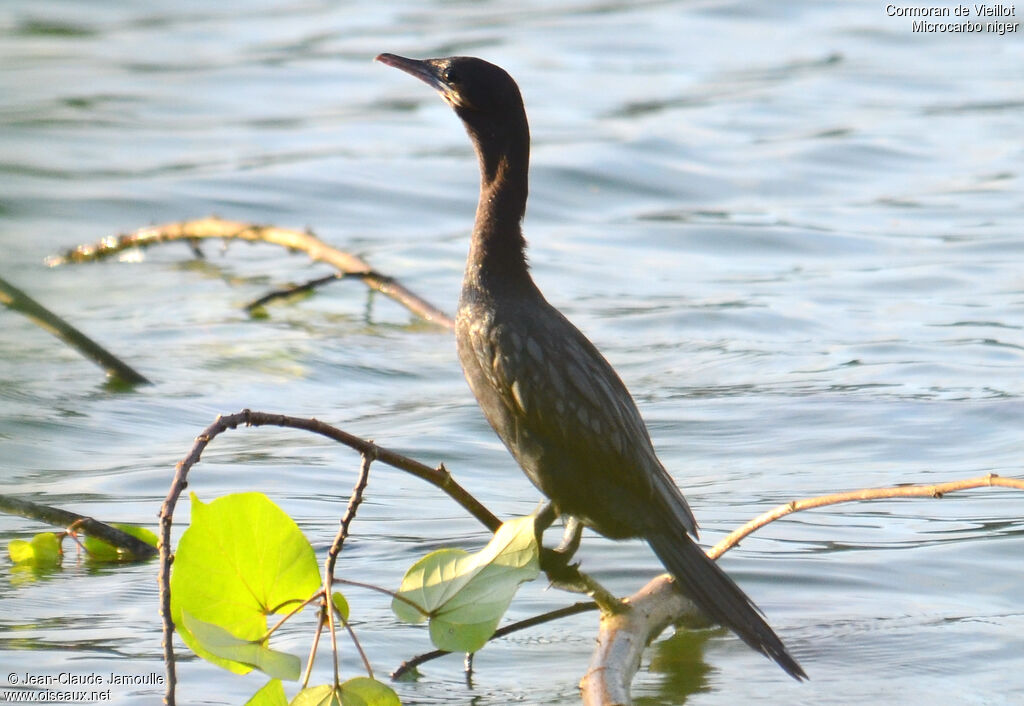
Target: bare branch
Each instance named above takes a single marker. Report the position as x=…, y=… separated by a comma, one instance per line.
x=116, y=368
x=622, y=638
x=294, y=240
x=62, y=518
x=321, y=622
x=900, y=491
x=332, y=557
x=295, y=289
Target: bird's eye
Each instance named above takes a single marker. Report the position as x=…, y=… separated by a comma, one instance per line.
x=450, y=76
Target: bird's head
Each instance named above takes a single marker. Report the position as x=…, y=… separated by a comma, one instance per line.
x=482, y=94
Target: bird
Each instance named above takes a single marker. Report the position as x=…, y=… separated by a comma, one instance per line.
x=549, y=394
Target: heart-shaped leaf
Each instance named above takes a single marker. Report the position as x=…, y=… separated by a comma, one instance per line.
x=220, y=643
x=361, y=691
x=464, y=595
x=272, y=694
x=42, y=551
x=241, y=559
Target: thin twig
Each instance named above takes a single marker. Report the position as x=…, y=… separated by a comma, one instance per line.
x=321, y=621
x=117, y=369
x=295, y=289
x=355, y=641
x=178, y=485
x=574, y=609
x=332, y=554
x=63, y=518
x=350, y=513
x=295, y=240
x=385, y=591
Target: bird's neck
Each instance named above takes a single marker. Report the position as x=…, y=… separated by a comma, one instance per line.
x=497, y=254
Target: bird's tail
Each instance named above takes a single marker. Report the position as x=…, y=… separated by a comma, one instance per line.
x=716, y=594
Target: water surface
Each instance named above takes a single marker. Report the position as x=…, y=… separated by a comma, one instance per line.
x=795, y=229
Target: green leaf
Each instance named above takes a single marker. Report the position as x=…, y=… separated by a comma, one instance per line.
x=272, y=694
x=361, y=691
x=42, y=550
x=221, y=643
x=341, y=604
x=241, y=559
x=102, y=551
x=323, y=695
x=465, y=595
x=140, y=533
x=20, y=551
x=47, y=549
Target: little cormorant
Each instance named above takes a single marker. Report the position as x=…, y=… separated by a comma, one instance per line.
x=554, y=400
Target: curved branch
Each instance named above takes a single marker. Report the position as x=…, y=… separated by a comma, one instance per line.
x=936, y=490
x=622, y=638
x=438, y=477
x=295, y=240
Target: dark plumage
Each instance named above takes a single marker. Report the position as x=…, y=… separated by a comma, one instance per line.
x=550, y=395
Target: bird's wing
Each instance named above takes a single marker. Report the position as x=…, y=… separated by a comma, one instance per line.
x=560, y=389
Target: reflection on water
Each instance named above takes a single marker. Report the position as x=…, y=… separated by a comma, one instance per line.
x=794, y=229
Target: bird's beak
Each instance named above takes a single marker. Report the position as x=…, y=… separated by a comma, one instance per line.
x=427, y=71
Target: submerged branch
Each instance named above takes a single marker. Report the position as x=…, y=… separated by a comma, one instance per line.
x=87, y=525
x=308, y=286
x=117, y=370
x=294, y=240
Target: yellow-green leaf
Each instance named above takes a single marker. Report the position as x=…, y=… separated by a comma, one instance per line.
x=102, y=551
x=272, y=694
x=221, y=643
x=42, y=551
x=241, y=559
x=361, y=691
x=323, y=695
x=340, y=604
x=20, y=551
x=465, y=595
